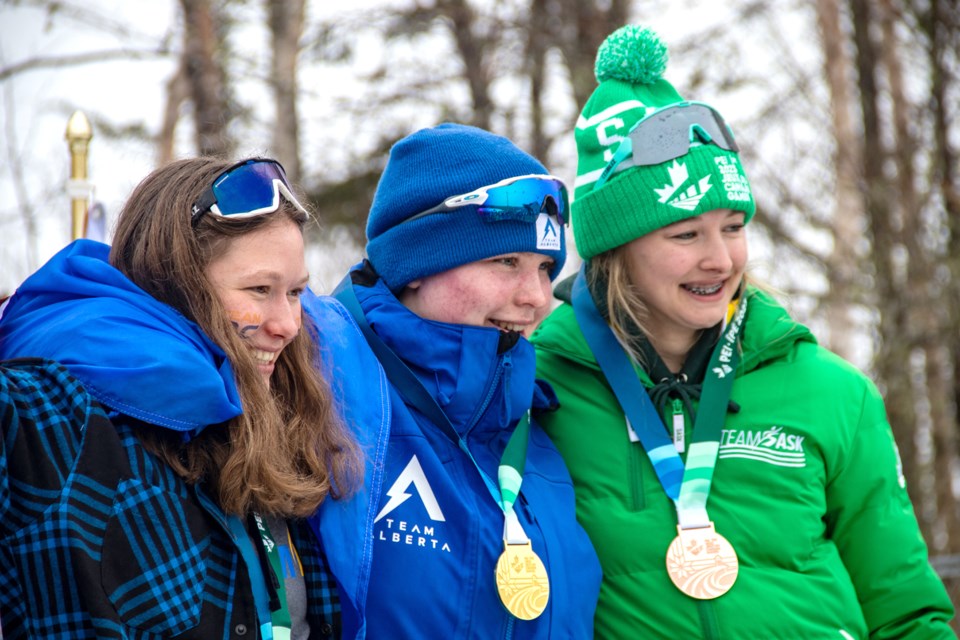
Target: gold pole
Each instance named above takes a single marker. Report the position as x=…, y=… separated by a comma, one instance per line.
x=78, y=139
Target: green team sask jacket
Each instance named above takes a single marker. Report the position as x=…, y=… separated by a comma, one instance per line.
x=807, y=489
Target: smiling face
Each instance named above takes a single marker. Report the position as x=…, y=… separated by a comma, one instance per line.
x=510, y=292
x=687, y=273
x=259, y=278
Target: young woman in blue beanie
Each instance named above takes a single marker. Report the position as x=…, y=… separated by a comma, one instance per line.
x=165, y=430
x=474, y=532
x=737, y=479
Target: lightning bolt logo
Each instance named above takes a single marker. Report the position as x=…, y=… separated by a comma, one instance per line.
x=548, y=237
x=412, y=474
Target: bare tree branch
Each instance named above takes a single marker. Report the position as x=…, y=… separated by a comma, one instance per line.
x=73, y=60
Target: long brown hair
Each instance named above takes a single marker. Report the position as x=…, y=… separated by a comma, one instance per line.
x=289, y=449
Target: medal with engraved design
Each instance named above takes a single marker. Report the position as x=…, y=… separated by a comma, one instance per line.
x=701, y=563
x=522, y=581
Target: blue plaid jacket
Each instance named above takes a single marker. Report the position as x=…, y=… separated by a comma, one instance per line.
x=99, y=539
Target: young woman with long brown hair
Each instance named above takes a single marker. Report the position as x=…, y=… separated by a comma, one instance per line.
x=172, y=431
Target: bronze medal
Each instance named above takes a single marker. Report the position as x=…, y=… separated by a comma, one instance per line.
x=701, y=563
x=522, y=581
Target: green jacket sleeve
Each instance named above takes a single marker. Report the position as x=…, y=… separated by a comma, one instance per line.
x=871, y=520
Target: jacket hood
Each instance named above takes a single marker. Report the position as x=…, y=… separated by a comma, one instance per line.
x=458, y=364
x=135, y=355
x=768, y=333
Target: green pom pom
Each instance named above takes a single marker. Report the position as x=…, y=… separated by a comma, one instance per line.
x=632, y=53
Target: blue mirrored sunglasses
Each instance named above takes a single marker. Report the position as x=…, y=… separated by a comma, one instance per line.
x=245, y=190
x=519, y=198
x=667, y=134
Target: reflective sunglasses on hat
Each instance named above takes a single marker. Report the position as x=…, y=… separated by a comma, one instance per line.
x=519, y=198
x=667, y=134
x=245, y=190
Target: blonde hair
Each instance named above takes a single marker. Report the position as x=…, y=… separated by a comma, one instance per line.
x=626, y=310
x=289, y=449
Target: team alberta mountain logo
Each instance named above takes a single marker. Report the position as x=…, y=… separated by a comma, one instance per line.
x=405, y=529
x=773, y=446
x=548, y=235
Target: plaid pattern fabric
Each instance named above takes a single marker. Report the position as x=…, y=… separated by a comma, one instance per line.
x=323, y=604
x=98, y=539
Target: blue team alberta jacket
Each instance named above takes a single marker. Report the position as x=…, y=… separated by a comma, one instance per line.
x=437, y=531
x=142, y=361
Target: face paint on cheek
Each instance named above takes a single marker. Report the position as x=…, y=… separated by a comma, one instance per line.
x=244, y=321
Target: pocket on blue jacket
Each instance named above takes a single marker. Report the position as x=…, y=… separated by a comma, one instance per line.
x=153, y=560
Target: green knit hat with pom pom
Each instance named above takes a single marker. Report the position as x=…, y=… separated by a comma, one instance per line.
x=631, y=203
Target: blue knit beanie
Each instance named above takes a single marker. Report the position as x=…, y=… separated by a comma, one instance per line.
x=423, y=170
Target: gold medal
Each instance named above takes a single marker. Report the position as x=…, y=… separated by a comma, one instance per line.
x=701, y=563
x=522, y=581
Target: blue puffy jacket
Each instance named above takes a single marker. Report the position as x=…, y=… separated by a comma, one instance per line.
x=141, y=358
x=438, y=532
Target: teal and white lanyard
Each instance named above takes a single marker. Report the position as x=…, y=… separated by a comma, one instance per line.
x=280, y=617
x=687, y=486
x=510, y=476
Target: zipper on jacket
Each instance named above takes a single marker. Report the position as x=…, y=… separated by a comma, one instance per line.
x=504, y=369
x=708, y=619
x=505, y=361
x=508, y=632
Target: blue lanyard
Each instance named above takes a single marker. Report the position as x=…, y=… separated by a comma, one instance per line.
x=257, y=580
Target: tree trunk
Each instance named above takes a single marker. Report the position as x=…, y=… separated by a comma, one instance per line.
x=473, y=55
x=847, y=223
x=286, y=27
x=922, y=293
x=893, y=353
x=536, y=59
x=202, y=42
x=178, y=91
x=943, y=417
x=586, y=23
x=943, y=35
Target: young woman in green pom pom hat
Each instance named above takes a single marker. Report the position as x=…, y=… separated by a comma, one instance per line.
x=737, y=479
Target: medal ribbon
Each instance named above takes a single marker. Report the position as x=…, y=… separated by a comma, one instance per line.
x=280, y=617
x=258, y=581
x=510, y=476
x=688, y=486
